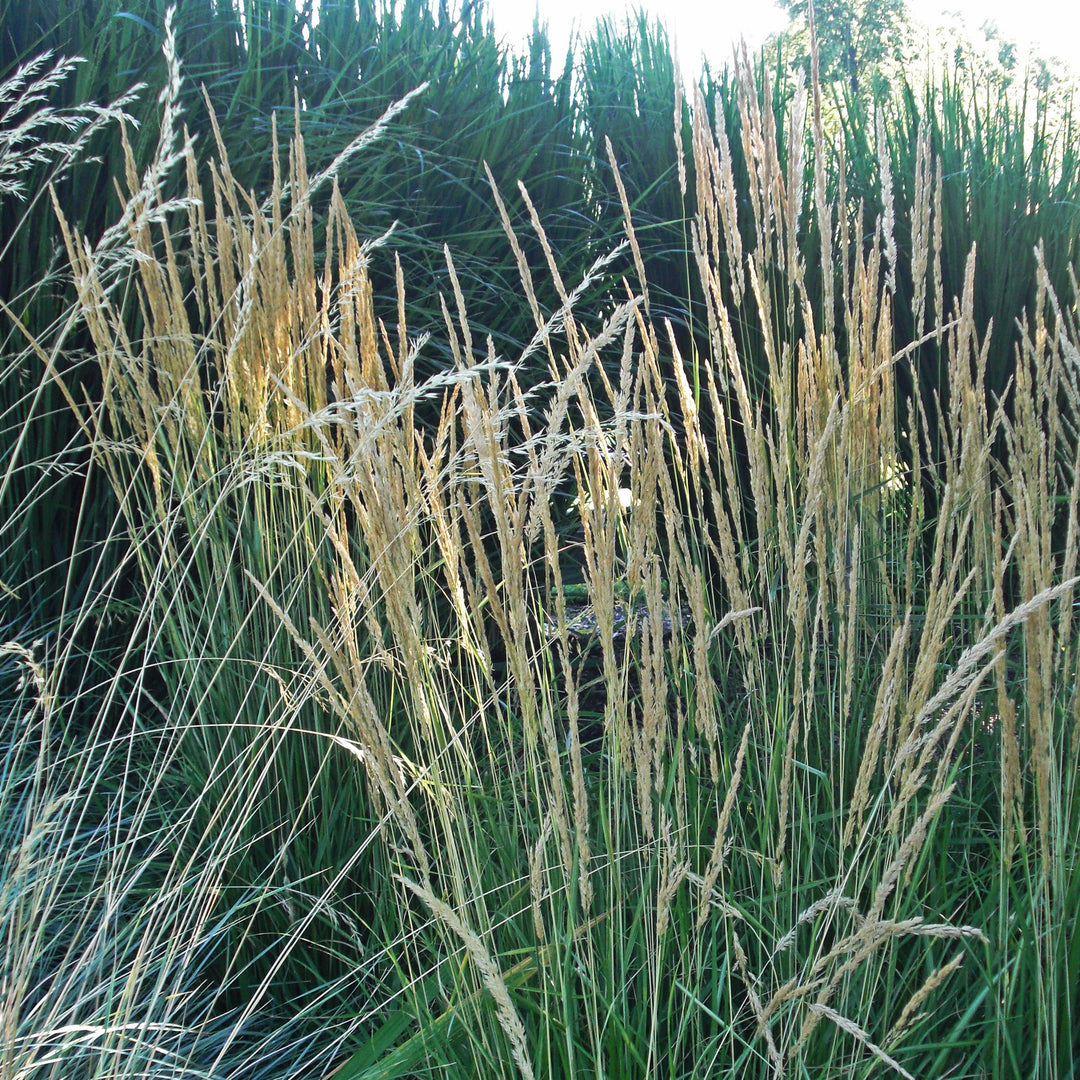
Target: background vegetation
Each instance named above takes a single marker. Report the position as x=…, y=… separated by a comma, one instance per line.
x=617, y=625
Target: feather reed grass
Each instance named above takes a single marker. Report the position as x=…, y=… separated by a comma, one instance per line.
x=373, y=789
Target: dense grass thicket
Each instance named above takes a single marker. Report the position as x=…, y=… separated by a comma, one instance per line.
x=618, y=625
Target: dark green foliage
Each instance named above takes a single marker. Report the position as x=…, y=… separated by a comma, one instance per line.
x=627, y=97
x=858, y=40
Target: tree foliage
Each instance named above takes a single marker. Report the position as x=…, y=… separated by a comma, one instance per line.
x=858, y=40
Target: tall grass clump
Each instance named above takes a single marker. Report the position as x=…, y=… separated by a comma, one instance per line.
x=641, y=718
x=147, y=928
x=1004, y=159
x=345, y=61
